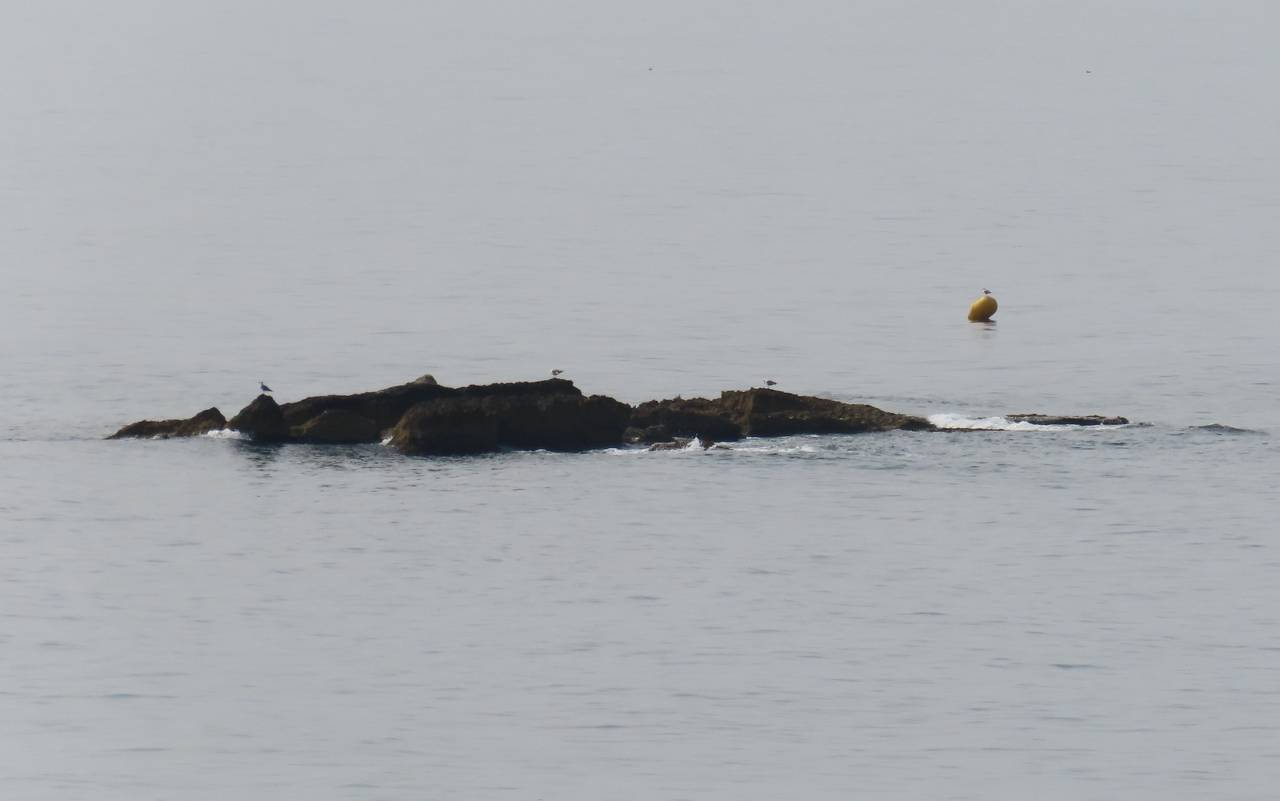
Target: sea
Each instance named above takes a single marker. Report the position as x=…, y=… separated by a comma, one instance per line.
x=661, y=199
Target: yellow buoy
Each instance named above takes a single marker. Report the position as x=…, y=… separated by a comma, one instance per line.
x=983, y=308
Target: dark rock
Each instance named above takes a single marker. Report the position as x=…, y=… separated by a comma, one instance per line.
x=202, y=423
x=551, y=386
x=659, y=421
x=384, y=406
x=1066, y=420
x=761, y=413
x=337, y=427
x=262, y=420
x=446, y=427
x=770, y=413
x=426, y=418
x=560, y=421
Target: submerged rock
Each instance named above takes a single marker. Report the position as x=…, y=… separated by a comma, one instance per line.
x=202, y=423
x=1066, y=420
x=1221, y=428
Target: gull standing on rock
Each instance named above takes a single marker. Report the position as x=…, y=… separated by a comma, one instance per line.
x=556, y=373
x=769, y=382
x=263, y=386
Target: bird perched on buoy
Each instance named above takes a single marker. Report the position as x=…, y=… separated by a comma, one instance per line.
x=983, y=308
x=264, y=387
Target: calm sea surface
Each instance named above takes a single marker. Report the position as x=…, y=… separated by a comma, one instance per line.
x=660, y=198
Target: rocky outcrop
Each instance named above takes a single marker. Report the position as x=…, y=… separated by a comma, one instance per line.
x=423, y=417
x=546, y=415
x=1067, y=420
x=760, y=413
x=202, y=423
x=262, y=420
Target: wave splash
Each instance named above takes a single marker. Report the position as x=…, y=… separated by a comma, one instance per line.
x=959, y=422
x=226, y=433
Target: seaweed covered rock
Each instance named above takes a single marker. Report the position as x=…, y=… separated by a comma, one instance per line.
x=202, y=423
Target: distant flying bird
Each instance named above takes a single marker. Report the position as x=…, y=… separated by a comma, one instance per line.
x=556, y=373
x=771, y=383
x=264, y=387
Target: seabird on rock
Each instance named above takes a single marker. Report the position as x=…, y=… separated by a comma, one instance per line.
x=770, y=383
x=264, y=387
x=556, y=373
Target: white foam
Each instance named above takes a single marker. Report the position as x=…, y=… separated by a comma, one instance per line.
x=695, y=445
x=225, y=433
x=960, y=422
x=776, y=449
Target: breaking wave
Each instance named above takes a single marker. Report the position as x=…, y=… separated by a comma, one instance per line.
x=225, y=433
x=959, y=422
